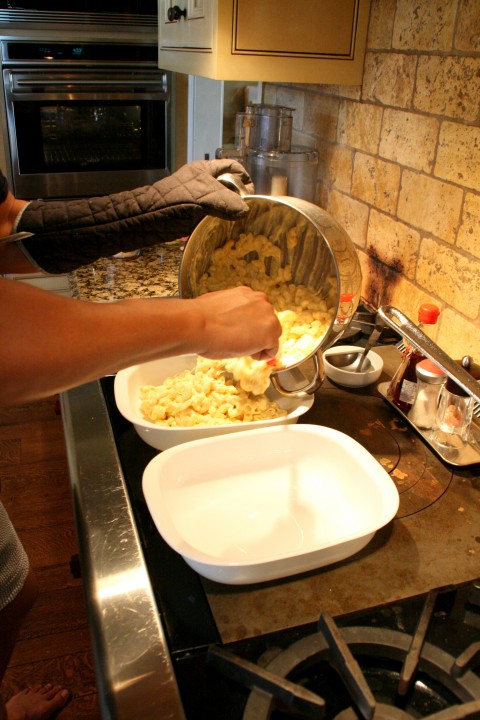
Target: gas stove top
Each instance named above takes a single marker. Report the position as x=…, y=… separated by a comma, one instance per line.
x=373, y=664
x=414, y=659
x=334, y=642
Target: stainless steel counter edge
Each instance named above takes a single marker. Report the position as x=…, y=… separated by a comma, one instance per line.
x=134, y=671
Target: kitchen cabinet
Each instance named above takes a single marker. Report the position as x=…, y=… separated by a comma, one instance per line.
x=306, y=41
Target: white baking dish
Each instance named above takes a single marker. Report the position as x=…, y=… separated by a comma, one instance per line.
x=127, y=397
x=268, y=503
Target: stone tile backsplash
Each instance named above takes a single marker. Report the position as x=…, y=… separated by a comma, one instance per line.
x=399, y=160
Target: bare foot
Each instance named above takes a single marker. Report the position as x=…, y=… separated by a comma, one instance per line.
x=38, y=703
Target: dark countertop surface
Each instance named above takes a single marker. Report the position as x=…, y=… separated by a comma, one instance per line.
x=434, y=540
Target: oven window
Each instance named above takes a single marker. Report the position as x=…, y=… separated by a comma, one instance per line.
x=78, y=136
x=91, y=135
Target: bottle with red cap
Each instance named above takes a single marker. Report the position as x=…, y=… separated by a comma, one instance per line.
x=403, y=387
x=345, y=307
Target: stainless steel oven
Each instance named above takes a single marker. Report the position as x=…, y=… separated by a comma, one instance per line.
x=83, y=118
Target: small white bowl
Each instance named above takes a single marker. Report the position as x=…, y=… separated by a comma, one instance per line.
x=268, y=503
x=349, y=378
x=127, y=397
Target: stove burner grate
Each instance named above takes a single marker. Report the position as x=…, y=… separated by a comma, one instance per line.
x=468, y=711
x=359, y=673
x=381, y=654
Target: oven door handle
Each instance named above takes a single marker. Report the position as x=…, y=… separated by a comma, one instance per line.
x=45, y=84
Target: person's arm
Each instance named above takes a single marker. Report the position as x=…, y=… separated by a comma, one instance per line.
x=52, y=343
x=67, y=234
x=12, y=259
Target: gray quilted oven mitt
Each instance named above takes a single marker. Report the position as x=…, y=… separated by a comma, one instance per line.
x=71, y=233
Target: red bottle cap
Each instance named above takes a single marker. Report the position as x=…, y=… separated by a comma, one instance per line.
x=428, y=314
x=430, y=367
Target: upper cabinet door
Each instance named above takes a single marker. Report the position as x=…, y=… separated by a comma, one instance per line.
x=186, y=25
x=307, y=41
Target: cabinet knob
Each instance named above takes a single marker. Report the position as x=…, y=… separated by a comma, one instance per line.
x=175, y=13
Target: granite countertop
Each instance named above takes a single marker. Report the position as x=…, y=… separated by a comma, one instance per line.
x=153, y=273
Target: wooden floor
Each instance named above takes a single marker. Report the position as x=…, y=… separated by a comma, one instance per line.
x=54, y=645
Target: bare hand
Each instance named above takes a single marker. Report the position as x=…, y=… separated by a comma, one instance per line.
x=239, y=321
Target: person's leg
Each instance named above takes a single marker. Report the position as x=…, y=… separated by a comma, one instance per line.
x=12, y=617
x=18, y=592
x=18, y=588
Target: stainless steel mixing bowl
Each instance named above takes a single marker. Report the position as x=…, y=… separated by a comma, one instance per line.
x=324, y=256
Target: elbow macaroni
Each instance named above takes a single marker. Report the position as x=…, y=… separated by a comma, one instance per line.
x=304, y=315
x=204, y=396
x=216, y=392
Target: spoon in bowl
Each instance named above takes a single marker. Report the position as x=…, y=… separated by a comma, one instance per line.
x=350, y=361
x=355, y=361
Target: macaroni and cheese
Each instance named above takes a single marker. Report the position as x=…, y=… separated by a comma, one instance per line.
x=304, y=315
x=204, y=395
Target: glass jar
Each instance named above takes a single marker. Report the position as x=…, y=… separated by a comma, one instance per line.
x=430, y=379
x=454, y=417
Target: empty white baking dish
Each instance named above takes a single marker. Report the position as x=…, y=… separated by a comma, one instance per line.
x=268, y=503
